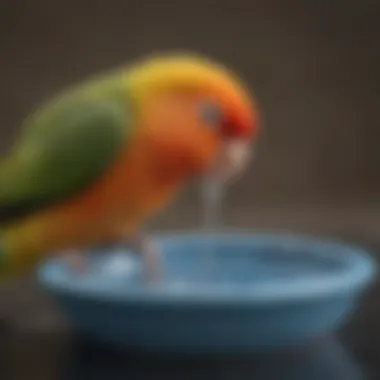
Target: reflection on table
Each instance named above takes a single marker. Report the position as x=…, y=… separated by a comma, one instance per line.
x=326, y=359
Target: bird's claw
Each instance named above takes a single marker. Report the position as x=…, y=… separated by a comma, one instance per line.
x=75, y=261
x=150, y=259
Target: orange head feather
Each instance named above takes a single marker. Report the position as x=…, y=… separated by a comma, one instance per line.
x=193, y=92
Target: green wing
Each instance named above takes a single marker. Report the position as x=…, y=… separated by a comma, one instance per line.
x=63, y=148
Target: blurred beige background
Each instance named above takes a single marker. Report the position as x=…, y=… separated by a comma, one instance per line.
x=313, y=65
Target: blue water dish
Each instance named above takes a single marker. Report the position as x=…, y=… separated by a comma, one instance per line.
x=232, y=292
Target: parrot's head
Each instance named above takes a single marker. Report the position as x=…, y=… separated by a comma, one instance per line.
x=197, y=111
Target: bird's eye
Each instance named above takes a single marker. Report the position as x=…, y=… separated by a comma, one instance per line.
x=211, y=113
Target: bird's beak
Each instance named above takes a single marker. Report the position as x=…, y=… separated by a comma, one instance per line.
x=232, y=160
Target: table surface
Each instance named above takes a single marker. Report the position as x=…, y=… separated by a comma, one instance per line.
x=66, y=357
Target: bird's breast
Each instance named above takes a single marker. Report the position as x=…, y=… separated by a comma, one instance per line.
x=132, y=190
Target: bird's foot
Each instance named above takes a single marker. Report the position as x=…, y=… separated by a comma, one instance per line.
x=150, y=258
x=75, y=261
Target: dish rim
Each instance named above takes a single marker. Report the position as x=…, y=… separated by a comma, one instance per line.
x=361, y=270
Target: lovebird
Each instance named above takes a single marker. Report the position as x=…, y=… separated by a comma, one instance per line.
x=93, y=164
